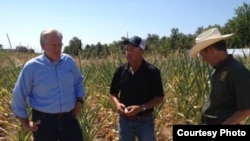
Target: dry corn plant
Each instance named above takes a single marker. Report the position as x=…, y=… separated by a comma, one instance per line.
x=186, y=85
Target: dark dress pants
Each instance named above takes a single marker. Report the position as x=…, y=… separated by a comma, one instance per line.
x=57, y=127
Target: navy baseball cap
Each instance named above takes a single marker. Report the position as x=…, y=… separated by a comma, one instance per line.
x=136, y=41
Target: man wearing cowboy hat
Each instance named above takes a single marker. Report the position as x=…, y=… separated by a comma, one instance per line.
x=229, y=100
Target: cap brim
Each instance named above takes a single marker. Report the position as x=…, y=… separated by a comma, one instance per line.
x=125, y=42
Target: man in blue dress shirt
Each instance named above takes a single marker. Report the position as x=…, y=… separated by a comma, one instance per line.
x=52, y=85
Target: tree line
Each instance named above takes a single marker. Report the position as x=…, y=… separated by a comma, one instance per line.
x=239, y=25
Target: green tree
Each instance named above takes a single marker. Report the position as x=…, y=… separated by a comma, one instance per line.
x=1, y=47
x=164, y=47
x=174, y=38
x=99, y=49
x=152, y=43
x=240, y=26
x=74, y=47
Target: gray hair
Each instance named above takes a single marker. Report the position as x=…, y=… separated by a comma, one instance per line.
x=45, y=33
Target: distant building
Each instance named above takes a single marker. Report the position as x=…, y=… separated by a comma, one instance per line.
x=239, y=51
x=21, y=49
x=18, y=49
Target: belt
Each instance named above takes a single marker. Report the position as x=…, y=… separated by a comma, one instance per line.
x=63, y=114
x=208, y=120
x=139, y=117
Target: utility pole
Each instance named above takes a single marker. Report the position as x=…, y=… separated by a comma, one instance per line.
x=9, y=41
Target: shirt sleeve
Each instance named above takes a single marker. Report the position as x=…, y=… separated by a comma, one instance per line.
x=115, y=87
x=242, y=89
x=78, y=84
x=20, y=93
x=157, y=83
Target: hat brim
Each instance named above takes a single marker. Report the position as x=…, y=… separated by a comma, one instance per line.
x=200, y=46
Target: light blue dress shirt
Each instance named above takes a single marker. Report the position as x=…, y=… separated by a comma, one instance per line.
x=47, y=87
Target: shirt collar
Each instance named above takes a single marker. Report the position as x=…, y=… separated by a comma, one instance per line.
x=225, y=62
x=127, y=66
x=49, y=61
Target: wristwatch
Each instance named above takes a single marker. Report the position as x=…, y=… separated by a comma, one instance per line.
x=144, y=107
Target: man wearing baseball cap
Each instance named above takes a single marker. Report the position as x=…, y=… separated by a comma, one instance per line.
x=229, y=99
x=136, y=88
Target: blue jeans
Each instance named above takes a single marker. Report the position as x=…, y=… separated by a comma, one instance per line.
x=57, y=127
x=143, y=129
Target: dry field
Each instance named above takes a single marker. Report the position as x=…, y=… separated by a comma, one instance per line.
x=186, y=84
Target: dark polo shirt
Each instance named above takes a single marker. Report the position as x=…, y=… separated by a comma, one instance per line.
x=137, y=88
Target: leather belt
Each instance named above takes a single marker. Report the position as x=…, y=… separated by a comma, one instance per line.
x=208, y=120
x=63, y=114
x=139, y=117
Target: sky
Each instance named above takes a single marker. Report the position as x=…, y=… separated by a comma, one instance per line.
x=105, y=21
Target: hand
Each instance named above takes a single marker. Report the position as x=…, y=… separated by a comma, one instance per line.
x=33, y=125
x=77, y=109
x=132, y=110
x=120, y=109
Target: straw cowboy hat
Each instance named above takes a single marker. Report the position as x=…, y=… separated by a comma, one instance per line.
x=206, y=39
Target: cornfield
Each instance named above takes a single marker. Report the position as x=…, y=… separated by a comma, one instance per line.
x=185, y=80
